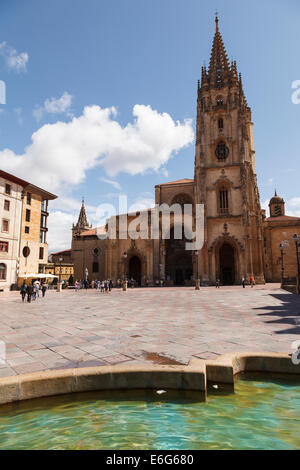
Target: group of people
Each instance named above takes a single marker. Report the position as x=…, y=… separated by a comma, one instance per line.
x=102, y=286
x=251, y=280
x=32, y=290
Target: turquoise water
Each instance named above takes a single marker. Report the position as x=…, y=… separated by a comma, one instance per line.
x=259, y=415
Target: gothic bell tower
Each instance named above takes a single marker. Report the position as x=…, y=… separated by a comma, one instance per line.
x=225, y=175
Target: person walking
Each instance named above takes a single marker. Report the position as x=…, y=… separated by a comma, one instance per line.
x=23, y=291
x=251, y=282
x=106, y=286
x=36, y=287
x=110, y=285
x=244, y=283
x=44, y=288
x=218, y=283
x=29, y=292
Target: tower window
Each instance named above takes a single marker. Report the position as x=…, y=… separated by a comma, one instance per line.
x=223, y=201
x=220, y=124
x=220, y=101
x=222, y=151
x=278, y=211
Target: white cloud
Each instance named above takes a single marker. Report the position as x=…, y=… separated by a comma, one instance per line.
x=115, y=184
x=142, y=203
x=60, y=230
x=54, y=106
x=60, y=154
x=14, y=60
x=293, y=207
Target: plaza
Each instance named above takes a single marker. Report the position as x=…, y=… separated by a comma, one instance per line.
x=144, y=325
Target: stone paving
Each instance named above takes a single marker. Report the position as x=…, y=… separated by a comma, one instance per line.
x=89, y=328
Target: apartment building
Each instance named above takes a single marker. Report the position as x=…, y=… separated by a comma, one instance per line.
x=23, y=235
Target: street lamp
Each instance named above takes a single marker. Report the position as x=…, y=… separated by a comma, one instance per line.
x=197, y=287
x=281, y=246
x=125, y=275
x=296, y=240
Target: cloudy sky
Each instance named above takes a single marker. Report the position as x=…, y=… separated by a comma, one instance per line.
x=101, y=95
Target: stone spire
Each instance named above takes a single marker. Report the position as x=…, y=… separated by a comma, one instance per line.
x=219, y=66
x=82, y=223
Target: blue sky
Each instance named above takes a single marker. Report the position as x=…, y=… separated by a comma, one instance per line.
x=61, y=56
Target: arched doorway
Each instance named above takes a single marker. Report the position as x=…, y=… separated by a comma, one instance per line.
x=135, y=269
x=179, y=261
x=227, y=264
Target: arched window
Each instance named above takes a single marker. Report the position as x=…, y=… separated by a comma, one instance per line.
x=222, y=151
x=223, y=201
x=220, y=124
x=2, y=272
x=220, y=101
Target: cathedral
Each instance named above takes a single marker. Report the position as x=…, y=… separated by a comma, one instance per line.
x=240, y=241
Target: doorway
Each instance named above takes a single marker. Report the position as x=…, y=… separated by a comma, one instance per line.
x=179, y=261
x=135, y=269
x=227, y=264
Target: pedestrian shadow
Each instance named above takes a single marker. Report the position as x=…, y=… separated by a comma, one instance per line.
x=288, y=313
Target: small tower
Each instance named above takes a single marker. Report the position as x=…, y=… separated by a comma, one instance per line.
x=277, y=206
x=82, y=223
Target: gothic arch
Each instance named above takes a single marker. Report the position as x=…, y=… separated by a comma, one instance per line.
x=231, y=270
x=134, y=252
x=182, y=198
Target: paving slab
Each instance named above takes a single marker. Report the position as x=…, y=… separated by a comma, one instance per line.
x=86, y=328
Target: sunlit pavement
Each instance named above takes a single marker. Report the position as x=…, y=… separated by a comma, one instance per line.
x=89, y=328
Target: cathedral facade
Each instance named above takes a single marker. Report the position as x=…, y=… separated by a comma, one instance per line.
x=239, y=241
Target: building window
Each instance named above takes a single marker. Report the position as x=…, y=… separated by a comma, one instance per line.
x=95, y=267
x=223, y=201
x=5, y=225
x=44, y=205
x=219, y=101
x=42, y=236
x=28, y=198
x=7, y=189
x=222, y=151
x=43, y=221
x=26, y=251
x=2, y=272
x=6, y=205
x=220, y=124
x=27, y=215
x=41, y=253
x=26, y=229
x=3, y=247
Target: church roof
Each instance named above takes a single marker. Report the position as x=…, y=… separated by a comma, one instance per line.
x=282, y=218
x=185, y=180
x=276, y=199
x=94, y=231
